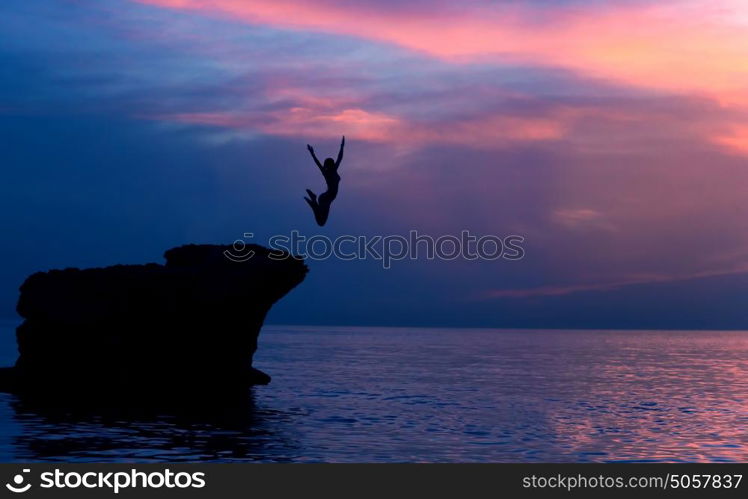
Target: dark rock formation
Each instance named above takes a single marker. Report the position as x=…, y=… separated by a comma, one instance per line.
x=190, y=325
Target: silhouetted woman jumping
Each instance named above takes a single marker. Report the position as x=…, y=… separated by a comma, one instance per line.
x=321, y=205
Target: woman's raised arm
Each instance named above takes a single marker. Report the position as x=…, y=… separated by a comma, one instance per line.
x=314, y=156
x=340, y=153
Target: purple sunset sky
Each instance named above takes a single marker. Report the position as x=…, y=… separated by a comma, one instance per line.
x=613, y=136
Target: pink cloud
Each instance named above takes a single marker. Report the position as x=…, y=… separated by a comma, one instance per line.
x=696, y=47
x=683, y=47
x=735, y=140
x=581, y=218
x=297, y=112
x=298, y=121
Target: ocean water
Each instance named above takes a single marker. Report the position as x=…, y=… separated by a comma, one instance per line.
x=433, y=395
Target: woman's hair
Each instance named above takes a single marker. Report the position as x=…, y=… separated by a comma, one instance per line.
x=329, y=163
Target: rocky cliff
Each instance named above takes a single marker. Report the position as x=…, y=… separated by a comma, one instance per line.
x=190, y=324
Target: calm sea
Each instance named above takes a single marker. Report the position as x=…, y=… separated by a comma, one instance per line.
x=433, y=395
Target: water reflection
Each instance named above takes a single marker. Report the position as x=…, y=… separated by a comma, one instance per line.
x=235, y=430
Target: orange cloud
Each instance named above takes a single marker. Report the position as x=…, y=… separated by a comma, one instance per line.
x=736, y=140
x=297, y=112
x=698, y=46
x=299, y=121
x=379, y=127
